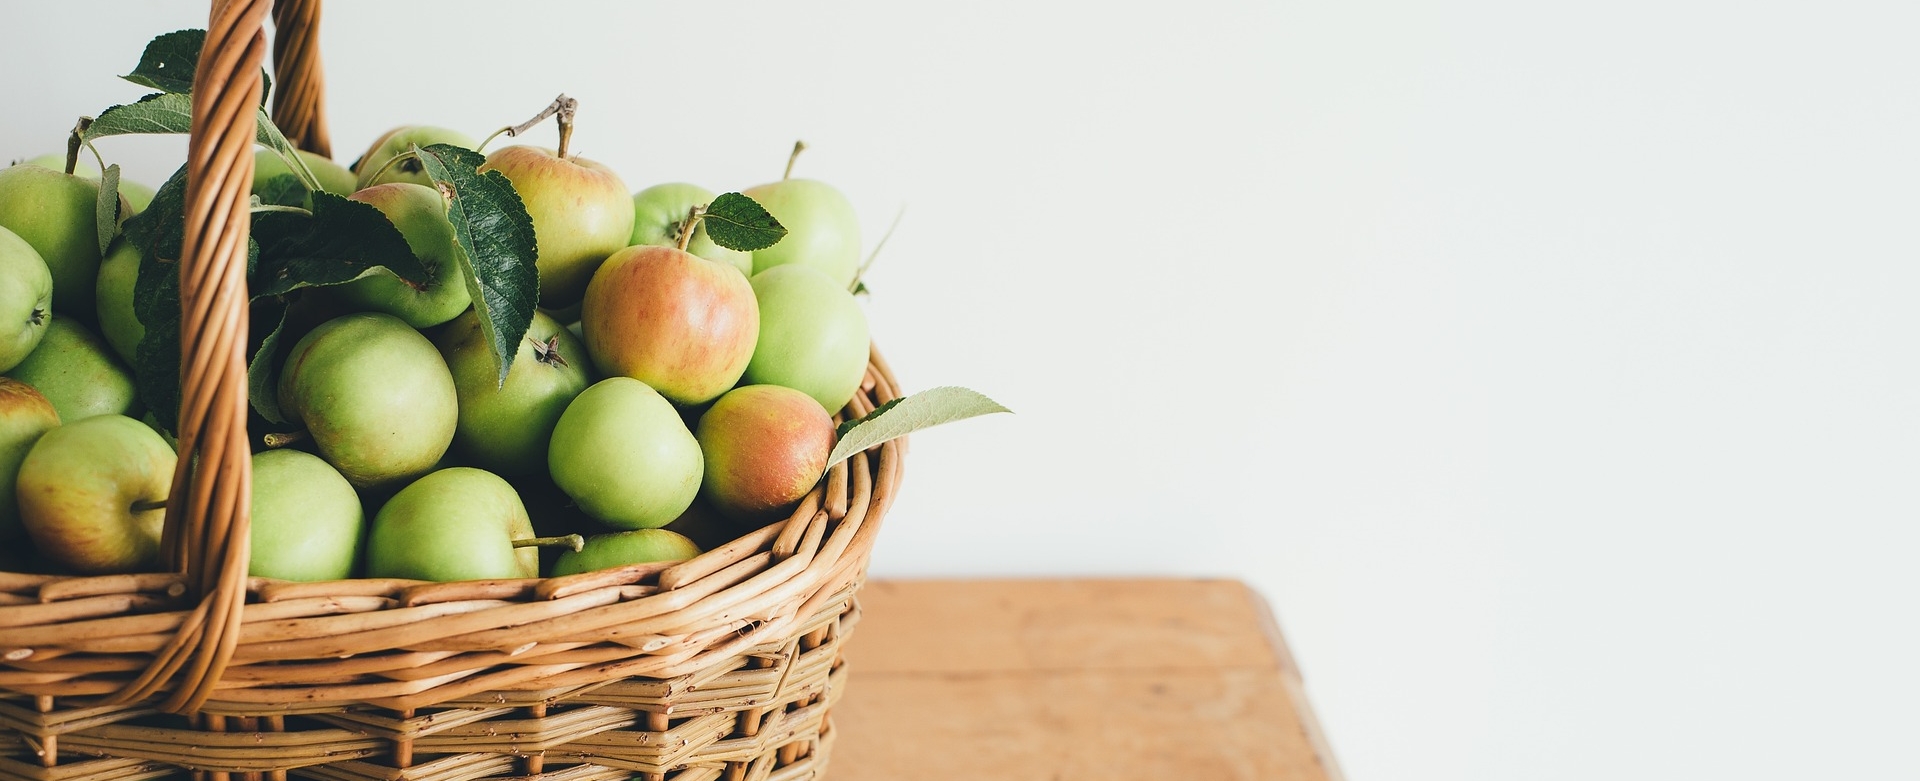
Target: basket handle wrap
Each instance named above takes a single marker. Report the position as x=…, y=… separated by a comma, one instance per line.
x=207, y=518
x=299, y=82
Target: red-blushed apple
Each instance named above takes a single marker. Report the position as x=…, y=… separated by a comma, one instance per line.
x=25, y=415
x=54, y=212
x=26, y=299
x=638, y=546
x=822, y=229
x=684, y=325
x=92, y=495
x=307, y=520
x=581, y=214
x=624, y=456
x=374, y=395
x=79, y=373
x=421, y=215
x=458, y=523
x=765, y=447
x=504, y=427
x=813, y=335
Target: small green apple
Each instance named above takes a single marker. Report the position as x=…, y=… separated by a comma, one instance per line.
x=91, y=495
x=57, y=161
x=813, y=335
x=822, y=229
x=374, y=395
x=581, y=214
x=138, y=196
x=26, y=299
x=660, y=210
x=457, y=523
x=684, y=325
x=306, y=519
x=372, y=167
x=765, y=448
x=624, y=456
x=505, y=427
x=54, y=212
x=333, y=177
x=78, y=372
x=421, y=215
x=638, y=546
x=113, y=297
x=24, y=416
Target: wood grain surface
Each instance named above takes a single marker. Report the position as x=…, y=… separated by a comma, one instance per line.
x=1071, y=680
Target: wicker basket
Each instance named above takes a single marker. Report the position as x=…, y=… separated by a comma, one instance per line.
x=723, y=666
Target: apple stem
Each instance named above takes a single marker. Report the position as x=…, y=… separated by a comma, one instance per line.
x=562, y=106
x=687, y=225
x=73, y=142
x=407, y=155
x=572, y=541
x=282, y=439
x=798, y=147
x=148, y=505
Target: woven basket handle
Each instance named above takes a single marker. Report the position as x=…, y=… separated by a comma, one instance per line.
x=207, y=521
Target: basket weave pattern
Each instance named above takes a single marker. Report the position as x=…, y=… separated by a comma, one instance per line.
x=723, y=666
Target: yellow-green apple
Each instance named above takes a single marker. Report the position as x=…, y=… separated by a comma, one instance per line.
x=822, y=229
x=660, y=212
x=92, y=495
x=113, y=298
x=78, y=372
x=638, y=546
x=54, y=212
x=420, y=213
x=333, y=177
x=765, y=448
x=57, y=161
x=682, y=324
x=307, y=520
x=458, y=523
x=24, y=416
x=26, y=299
x=372, y=168
x=505, y=426
x=373, y=394
x=813, y=335
x=621, y=452
x=581, y=214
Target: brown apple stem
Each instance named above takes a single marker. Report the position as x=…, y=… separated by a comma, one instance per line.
x=391, y=161
x=572, y=541
x=562, y=106
x=73, y=142
x=148, y=505
x=282, y=439
x=687, y=225
x=565, y=121
x=798, y=147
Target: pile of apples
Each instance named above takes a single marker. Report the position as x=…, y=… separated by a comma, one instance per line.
x=667, y=384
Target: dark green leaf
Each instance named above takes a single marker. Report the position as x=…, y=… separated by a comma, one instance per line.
x=283, y=190
x=262, y=375
x=106, y=206
x=740, y=223
x=164, y=112
x=169, y=61
x=496, y=246
x=903, y=416
x=156, y=298
x=339, y=241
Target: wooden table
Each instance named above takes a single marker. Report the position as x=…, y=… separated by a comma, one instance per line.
x=1073, y=680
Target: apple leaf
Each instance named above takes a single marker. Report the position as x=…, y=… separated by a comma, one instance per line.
x=156, y=298
x=905, y=415
x=339, y=241
x=283, y=190
x=106, y=206
x=496, y=246
x=172, y=112
x=262, y=379
x=740, y=223
x=170, y=60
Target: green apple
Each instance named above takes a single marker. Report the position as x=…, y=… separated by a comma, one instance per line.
x=57, y=161
x=113, y=297
x=638, y=546
x=368, y=170
x=137, y=196
x=78, y=372
x=306, y=519
x=581, y=214
x=26, y=299
x=660, y=210
x=505, y=427
x=684, y=325
x=333, y=177
x=454, y=524
x=54, y=212
x=813, y=335
x=765, y=448
x=374, y=395
x=420, y=213
x=822, y=229
x=24, y=416
x=92, y=495
x=624, y=456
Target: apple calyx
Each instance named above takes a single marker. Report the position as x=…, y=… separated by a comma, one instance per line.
x=573, y=542
x=548, y=352
x=39, y=316
x=798, y=147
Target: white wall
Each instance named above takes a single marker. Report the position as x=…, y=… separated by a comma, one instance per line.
x=1552, y=368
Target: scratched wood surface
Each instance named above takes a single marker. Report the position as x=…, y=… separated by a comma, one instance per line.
x=1073, y=680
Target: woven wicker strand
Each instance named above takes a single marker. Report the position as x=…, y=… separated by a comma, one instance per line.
x=298, y=109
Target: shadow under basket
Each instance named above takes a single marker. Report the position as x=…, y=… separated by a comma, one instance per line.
x=724, y=666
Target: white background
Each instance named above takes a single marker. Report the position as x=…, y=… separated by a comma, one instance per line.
x=1551, y=368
